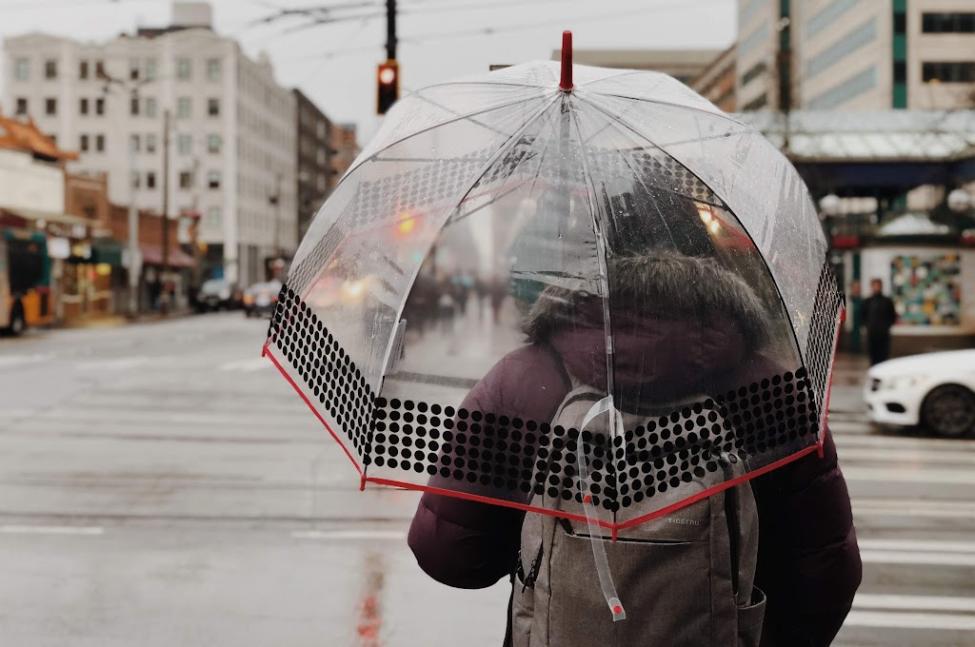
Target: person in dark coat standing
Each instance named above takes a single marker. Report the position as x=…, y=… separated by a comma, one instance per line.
x=808, y=559
x=879, y=315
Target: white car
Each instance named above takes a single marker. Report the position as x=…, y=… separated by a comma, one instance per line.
x=934, y=390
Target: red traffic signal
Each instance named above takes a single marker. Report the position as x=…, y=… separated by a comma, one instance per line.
x=387, y=86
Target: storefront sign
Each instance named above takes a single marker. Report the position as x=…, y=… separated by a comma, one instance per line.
x=29, y=185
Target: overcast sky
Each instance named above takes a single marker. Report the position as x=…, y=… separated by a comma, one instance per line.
x=436, y=39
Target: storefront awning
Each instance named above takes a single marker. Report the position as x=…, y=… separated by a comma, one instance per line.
x=47, y=216
x=152, y=255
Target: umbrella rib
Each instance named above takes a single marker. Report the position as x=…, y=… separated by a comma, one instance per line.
x=601, y=261
x=441, y=124
x=761, y=254
x=672, y=104
x=443, y=107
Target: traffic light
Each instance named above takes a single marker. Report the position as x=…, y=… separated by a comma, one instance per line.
x=387, y=86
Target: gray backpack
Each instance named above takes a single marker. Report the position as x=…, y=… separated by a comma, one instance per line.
x=685, y=578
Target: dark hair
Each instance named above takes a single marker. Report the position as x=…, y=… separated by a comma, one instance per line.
x=665, y=284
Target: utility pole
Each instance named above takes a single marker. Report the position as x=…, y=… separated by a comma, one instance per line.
x=391, y=30
x=165, y=193
x=135, y=260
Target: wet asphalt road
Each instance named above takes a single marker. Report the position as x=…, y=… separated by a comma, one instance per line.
x=161, y=485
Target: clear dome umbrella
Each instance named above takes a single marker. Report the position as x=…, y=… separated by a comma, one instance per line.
x=665, y=256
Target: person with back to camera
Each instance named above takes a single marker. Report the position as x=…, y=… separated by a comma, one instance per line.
x=683, y=326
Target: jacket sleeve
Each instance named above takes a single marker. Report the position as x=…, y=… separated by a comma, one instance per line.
x=808, y=559
x=462, y=543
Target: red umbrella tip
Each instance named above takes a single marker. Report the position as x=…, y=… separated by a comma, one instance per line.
x=566, y=83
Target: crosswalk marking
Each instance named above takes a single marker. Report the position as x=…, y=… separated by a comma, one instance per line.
x=348, y=534
x=894, y=619
x=51, y=530
x=909, y=474
x=914, y=602
x=926, y=545
x=906, y=455
x=918, y=558
x=916, y=508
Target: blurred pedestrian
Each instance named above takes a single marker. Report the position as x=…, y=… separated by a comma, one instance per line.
x=856, y=317
x=879, y=315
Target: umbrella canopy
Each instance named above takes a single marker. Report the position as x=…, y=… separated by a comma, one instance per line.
x=665, y=259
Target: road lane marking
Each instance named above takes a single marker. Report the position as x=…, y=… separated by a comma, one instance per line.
x=7, y=361
x=909, y=475
x=913, y=602
x=329, y=535
x=918, y=558
x=51, y=530
x=924, y=545
x=249, y=365
x=895, y=619
x=115, y=364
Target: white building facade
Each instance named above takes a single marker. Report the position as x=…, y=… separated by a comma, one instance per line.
x=858, y=54
x=231, y=129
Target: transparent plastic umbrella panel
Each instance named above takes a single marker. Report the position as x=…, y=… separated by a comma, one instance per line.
x=558, y=300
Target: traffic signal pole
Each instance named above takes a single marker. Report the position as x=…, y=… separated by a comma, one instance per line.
x=391, y=30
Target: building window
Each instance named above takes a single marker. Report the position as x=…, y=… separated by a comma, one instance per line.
x=83, y=106
x=213, y=69
x=135, y=179
x=760, y=35
x=183, y=69
x=183, y=108
x=846, y=45
x=845, y=90
x=828, y=15
x=83, y=69
x=134, y=106
x=22, y=69
x=213, y=218
x=948, y=23
x=186, y=179
x=100, y=143
x=100, y=70
x=151, y=69
x=50, y=106
x=213, y=180
x=214, y=143
x=948, y=71
x=150, y=142
x=99, y=106
x=753, y=72
x=134, y=141
x=900, y=72
x=756, y=103
x=213, y=107
x=83, y=143
x=184, y=144
x=151, y=180
x=51, y=68
x=152, y=108
x=133, y=70
x=21, y=109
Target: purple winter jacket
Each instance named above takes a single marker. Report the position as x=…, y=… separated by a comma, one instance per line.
x=808, y=562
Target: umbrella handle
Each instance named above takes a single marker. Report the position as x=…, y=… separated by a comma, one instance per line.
x=592, y=514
